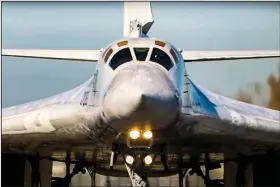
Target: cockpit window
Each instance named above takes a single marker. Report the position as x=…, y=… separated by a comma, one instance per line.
x=161, y=58
x=173, y=53
x=120, y=58
x=105, y=51
x=108, y=54
x=141, y=53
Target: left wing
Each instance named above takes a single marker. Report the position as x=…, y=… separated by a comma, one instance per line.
x=66, y=118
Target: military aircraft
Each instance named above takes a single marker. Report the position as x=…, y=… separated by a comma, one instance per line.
x=139, y=115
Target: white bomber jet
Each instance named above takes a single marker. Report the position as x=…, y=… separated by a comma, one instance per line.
x=140, y=114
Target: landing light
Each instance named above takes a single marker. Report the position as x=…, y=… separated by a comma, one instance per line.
x=148, y=160
x=134, y=134
x=129, y=159
x=148, y=135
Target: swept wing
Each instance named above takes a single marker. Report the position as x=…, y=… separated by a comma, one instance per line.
x=93, y=55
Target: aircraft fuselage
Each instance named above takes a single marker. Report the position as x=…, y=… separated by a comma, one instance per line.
x=140, y=81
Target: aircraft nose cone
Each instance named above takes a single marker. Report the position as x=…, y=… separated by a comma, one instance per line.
x=123, y=102
x=139, y=94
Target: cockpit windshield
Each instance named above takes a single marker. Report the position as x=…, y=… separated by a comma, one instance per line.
x=161, y=58
x=141, y=53
x=120, y=58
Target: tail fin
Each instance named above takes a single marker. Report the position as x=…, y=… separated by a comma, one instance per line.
x=138, y=18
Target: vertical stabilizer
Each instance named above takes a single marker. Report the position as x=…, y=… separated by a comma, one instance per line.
x=138, y=18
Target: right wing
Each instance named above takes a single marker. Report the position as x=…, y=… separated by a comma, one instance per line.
x=73, y=55
x=219, y=119
x=67, y=118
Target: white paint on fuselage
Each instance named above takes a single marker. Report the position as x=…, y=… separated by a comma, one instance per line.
x=135, y=84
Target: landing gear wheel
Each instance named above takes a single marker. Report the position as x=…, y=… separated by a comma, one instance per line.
x=242, y=163
x=92, y=172
x=182, y=171
x=181, y=175
x=137, y=178
x=35, y=164
x=114, y=155
x=163, y=157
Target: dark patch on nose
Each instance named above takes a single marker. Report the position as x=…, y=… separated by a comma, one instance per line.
x=143, y=106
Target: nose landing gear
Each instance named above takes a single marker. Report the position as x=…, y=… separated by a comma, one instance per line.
x=137, y=178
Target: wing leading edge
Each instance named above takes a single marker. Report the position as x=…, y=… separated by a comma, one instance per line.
x=203, y=56
x=73, y=55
